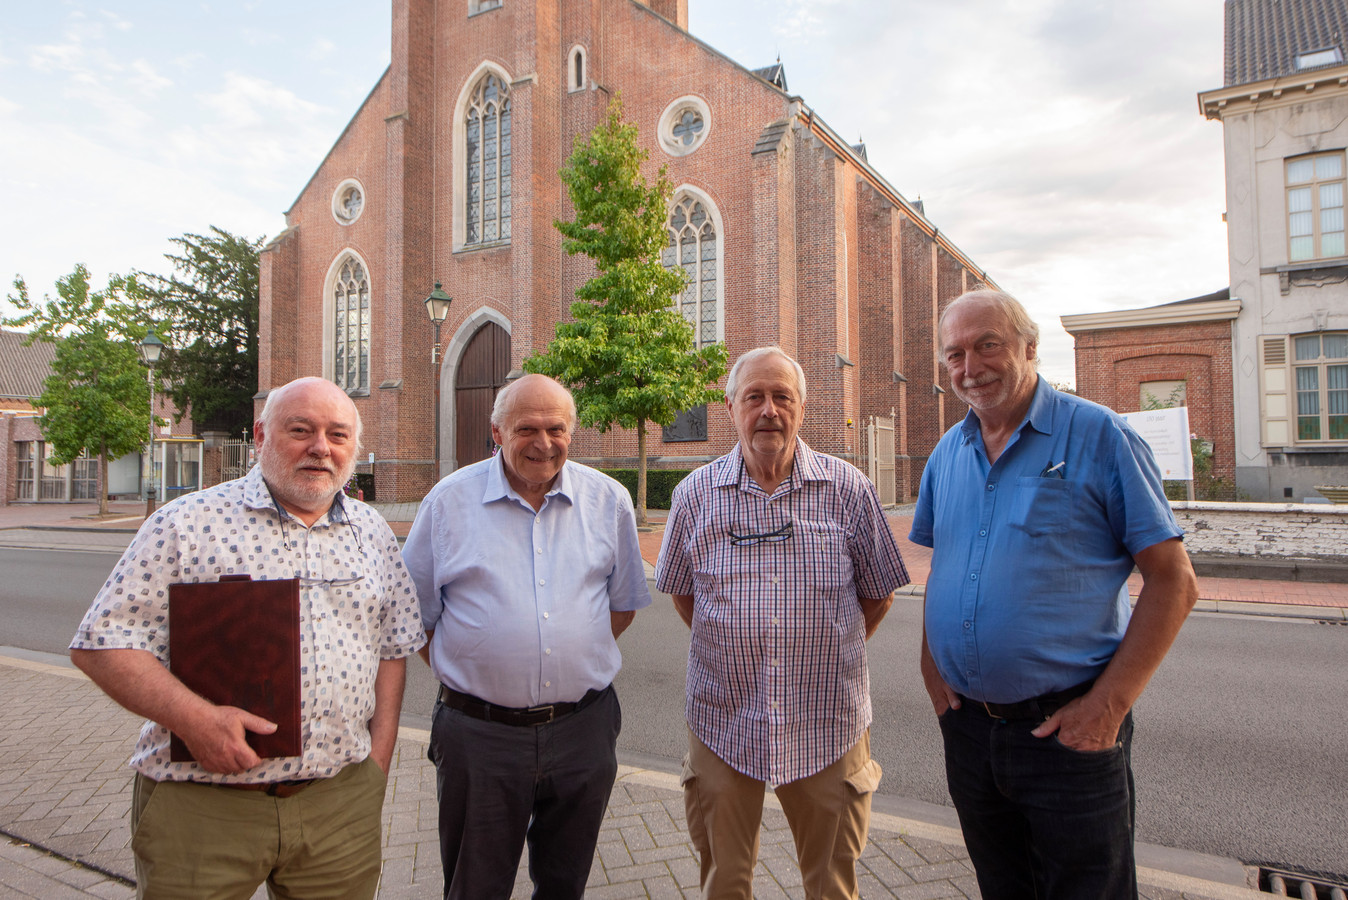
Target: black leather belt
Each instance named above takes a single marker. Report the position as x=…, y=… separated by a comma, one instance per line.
x=1039, y=708
x=510, y=715
x=280, y=789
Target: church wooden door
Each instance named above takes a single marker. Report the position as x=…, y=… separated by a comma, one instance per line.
x=482, y=373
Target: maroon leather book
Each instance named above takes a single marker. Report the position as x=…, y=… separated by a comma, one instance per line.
x=236, y=642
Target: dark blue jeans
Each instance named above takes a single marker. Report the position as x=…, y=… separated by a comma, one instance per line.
x=500, y=785
x=1041, y=821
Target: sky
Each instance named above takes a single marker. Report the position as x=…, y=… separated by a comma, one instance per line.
x=1057, y=143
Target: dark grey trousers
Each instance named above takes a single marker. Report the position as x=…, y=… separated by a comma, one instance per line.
x=500, y=785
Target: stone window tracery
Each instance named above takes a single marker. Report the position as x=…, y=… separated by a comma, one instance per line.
x=351, y=341
x=487, y=151
x=693, y=247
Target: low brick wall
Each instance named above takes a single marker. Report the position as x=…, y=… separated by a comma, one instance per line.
x=1266, y=531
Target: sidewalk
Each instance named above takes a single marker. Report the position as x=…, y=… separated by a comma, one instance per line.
x=65, y=790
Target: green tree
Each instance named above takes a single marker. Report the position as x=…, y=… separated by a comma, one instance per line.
x=96, y=399
x=628, y=356
x=208, y=310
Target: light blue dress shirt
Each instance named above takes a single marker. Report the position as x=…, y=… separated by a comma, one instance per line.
x=520, y=599
x=1031, y=555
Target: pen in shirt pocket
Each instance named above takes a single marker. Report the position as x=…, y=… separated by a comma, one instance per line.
x=1052, y=471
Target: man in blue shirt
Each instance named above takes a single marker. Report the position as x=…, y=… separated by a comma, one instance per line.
x=527, y=568
x=1037, y=506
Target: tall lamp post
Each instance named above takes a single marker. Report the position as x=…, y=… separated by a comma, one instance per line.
x=437, y=307
x=150, y=350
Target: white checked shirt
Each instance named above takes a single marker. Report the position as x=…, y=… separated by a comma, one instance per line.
x=345, y=628
x=777, y=680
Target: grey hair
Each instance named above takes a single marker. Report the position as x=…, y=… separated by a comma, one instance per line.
x=1015, y=313
x=273, y=402
x=505, y=401
x=732, y=382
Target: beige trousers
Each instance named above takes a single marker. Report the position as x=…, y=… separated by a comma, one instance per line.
x=829, y=813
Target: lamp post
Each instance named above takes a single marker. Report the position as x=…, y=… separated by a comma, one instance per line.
x=437, y=307
x=150, y=350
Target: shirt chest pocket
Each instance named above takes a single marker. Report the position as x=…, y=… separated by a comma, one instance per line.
x=1042, y=506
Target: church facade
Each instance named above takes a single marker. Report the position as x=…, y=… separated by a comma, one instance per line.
x=448, y=174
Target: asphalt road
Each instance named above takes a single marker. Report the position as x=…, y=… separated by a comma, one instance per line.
x=1241, y=745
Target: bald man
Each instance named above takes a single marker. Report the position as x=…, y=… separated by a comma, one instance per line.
x=528, y=569
x=308, y=825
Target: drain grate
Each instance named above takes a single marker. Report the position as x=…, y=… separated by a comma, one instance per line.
x=1285, y=883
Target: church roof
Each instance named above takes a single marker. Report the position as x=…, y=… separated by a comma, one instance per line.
x=1271, y=38
x=23, y=369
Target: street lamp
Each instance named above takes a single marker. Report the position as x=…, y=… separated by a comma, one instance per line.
x=150, y=350
x=437, y=307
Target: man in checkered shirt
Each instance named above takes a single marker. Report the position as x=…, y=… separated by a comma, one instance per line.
x=781, y=562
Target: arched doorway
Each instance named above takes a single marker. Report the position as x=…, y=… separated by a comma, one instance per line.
x=481, y=374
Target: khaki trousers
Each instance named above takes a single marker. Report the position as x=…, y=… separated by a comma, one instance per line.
x=829, y=813
x=203, y=842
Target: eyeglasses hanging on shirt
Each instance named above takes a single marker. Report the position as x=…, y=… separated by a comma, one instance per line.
x=337, y=515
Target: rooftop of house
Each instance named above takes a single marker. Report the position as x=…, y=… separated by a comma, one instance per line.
x=1271, y=38
x=23, y=369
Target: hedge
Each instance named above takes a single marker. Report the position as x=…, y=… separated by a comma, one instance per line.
x=660, y=484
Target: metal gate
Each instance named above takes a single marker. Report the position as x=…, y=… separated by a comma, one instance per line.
x=880, y=457
x=237, y=459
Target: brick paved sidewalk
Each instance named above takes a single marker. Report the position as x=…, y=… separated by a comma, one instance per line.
x=65, y=789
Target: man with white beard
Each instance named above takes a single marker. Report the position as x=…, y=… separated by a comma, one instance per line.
x=308, y=825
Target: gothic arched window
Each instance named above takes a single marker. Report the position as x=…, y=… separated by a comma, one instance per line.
x=693, y=248
x=351, y=340
x=487, y=151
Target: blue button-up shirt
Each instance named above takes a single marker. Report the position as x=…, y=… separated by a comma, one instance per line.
x=520, y=599
x=1031, y=555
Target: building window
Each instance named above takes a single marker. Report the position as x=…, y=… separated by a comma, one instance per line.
x=1315, y=206
x=25, y=469
x=348, y=201
x=575, y=69
x=1330, y=56
x=684, y=126
x=693, y=248
x=487, y=152
x=84, y=477
x=477, y=6
x=351, y=306
x=1321, y=370
x=1162, y=395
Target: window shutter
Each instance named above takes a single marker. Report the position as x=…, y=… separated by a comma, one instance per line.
x=1275, y=405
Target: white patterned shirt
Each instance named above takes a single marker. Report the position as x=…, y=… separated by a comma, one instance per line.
x=345, y=629
x=778, y=686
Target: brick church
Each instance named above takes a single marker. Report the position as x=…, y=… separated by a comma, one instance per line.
x=448, y=173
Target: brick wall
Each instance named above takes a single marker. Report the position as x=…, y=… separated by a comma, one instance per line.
x=1265, y=530
x=1112, y=364
x=814, y=259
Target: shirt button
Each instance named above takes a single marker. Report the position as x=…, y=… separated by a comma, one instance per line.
x=991, y=486
x=547, y=651
x=983, y=532
x=775, y=579
x=547, y=684
x=968, y=624
x=538, y=549
x=545, y=615
x=542, y=581
x=774, y=620
x=973, y=576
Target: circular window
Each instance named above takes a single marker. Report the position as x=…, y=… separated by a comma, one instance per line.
x=348, y=201
x=684, y=126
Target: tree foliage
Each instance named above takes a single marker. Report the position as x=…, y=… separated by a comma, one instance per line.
x=207, y=311
x=628, y=355
x=96, y=399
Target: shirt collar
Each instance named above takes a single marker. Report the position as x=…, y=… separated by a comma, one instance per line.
x=806, y=466
x=498, y=486
x=1040, y=416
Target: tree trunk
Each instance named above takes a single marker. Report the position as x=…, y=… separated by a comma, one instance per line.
x=102, y=487
x=642, y=521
